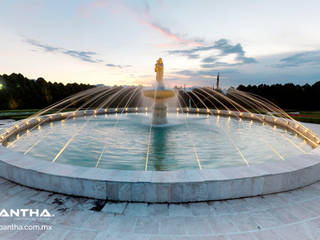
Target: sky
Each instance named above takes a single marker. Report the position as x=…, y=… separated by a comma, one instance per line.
x=117, y=42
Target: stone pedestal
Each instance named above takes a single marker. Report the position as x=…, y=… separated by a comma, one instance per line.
x=159, y=113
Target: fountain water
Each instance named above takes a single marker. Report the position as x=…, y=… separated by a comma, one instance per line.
x=106, y=131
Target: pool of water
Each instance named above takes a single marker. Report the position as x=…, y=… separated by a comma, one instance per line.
x=128, y=141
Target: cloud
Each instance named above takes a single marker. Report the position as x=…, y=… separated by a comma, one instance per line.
x=209, y=59
x=193, y=56
x=202, y=77
x=217, y=64
x=224, y=48
x=117, y=66
x=203, y=73
x=47, y=48
x=85, y=56
x=142, y=12
x=186, y=72
x=166, y=32
x=300, y=59
x=225, y=64
x=145, y=17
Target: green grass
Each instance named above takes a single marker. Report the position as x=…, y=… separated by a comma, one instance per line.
x=17, y=114
x=315, y=114
x=309, y=117
x=20, y=110
x=308, y=120
x=23, y=113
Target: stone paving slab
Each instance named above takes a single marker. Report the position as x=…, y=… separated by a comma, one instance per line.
x=290, y=215
x=116, y=208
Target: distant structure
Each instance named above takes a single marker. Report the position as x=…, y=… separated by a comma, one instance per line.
x=218, y=80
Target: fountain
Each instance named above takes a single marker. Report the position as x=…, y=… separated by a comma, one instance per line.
x=159, y=96
x=101, y=143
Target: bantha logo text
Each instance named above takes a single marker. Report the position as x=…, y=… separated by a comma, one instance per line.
x=25, y=213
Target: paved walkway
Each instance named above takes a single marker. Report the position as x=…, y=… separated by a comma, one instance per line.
x=290, y=215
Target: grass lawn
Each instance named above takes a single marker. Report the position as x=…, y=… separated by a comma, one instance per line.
x=23, y=113
x=17, y=114
x=310, y=117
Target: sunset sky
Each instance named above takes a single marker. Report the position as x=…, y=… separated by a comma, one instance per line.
x=117, y=42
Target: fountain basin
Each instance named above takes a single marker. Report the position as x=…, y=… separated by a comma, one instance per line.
x=186, y=185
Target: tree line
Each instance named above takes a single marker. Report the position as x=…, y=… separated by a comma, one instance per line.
x=19, y=92
x=288, y=96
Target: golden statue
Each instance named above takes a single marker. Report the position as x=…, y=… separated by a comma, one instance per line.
x=159, y=70
x=159, y=96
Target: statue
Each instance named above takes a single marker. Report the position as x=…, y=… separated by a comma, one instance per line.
x=159, y=96
x=159, y=70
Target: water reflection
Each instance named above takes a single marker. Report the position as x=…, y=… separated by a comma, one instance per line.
x=159, y=149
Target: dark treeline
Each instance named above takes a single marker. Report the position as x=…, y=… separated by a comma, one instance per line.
x=19, y=92
x=288, y=96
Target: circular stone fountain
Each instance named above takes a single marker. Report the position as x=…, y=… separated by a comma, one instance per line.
x=140, y=153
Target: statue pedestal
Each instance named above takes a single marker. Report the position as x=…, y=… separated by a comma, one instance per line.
x=159, y=113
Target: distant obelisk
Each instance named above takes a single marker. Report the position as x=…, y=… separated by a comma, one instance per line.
x=218, y=79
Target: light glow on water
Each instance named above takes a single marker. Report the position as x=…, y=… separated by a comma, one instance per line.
x=124, y=141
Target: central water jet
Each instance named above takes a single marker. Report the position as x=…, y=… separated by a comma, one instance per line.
x=159, y=96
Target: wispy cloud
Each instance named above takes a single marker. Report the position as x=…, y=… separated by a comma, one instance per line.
x=224, y=48
x=145, y=16
x=142, y=12
x=117, y=66
x=46, y=48
x=205, y=77
x=300, y=59
x=166, y=32
x=86, y=56
x=209, y=59
x=204, y=73
x=83, y=55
